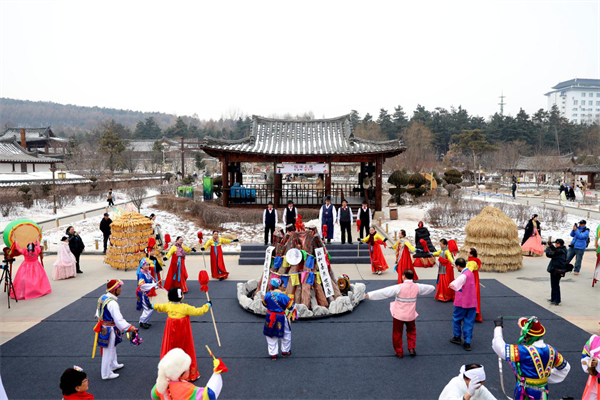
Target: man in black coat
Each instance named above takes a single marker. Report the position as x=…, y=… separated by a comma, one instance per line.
x=76, y=245
x=557, y=267
x=105, y=228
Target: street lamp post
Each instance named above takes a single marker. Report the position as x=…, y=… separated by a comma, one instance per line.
x=53, y=170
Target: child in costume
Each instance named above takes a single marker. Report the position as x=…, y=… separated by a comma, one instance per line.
x=589, y=364
x=535, y=363
x=177, y=276
x=403, y=309
x=445, y=273
x=74, y=384
x=374, y=240
x=277, y=325
x=404, y=261
x=178, y=329
x=65, y=264
x=474, y=264
x=31, y=281
x=217, y=265
x=465, y=305
x=146, y=288
x=111, y=325
x=173, y=375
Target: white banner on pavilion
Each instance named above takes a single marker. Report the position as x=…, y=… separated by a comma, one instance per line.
x=308, y=168
x=266, y=269
x=324, y=271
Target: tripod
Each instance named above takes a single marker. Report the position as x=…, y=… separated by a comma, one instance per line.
x=7, y=275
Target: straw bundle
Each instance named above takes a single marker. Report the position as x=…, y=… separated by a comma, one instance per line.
x=128, y=238
x=495, y=236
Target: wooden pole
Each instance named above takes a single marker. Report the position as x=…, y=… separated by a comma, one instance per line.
x=212, y=315
x=182, y=159
x=225, y=182
x=378, y=182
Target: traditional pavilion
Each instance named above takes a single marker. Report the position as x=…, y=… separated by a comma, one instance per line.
x=301, y=147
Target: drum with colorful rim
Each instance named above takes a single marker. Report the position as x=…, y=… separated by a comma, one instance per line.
x=22, y=232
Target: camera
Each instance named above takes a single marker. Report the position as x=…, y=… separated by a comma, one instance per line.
x=548, y=242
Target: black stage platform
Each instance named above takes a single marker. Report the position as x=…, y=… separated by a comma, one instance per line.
x=345, y=357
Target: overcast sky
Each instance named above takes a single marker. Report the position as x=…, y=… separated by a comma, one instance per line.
x=215, y=58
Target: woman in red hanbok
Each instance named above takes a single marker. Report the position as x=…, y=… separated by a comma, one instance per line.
x=177, y=275
x=403, y=259
x=378, y=263
x=445, y=273
x=217, y=265
x=474, y=264
x=31, y=280
x=178, y=329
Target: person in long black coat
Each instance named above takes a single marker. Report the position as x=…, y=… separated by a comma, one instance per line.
x=76, y=245
x=529, y=228
x=423, y=233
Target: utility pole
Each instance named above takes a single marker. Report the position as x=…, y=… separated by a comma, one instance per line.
x=53, y=170
x=502, y=103
x=182, y=159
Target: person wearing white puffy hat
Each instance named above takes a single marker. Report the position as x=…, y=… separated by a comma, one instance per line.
x=467, y=385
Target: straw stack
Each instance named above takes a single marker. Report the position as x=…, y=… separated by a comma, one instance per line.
x=128, y=238
x=495, y=236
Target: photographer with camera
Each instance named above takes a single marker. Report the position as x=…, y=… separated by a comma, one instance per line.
x=581, y=240
x=557, y=267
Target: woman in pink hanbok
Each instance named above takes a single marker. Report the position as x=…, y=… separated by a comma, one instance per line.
x=31, y=280
x=65, y=264
x=532, y=239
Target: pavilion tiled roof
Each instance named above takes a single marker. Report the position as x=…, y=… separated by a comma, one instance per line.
x=12, y=152
x=296, y=137
x=536, y=163
x=31, y=135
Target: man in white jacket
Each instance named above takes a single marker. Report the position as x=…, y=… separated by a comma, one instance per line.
x=467, y=385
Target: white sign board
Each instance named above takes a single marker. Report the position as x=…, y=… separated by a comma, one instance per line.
x=266, y=269
x=324, y=271
x=292, y=168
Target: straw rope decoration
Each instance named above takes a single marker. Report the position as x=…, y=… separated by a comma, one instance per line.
x=496, y=238
x=128, y=238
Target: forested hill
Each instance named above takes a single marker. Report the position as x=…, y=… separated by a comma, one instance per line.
x=68, y=119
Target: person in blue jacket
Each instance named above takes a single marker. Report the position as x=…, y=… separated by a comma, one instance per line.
x=581, y=236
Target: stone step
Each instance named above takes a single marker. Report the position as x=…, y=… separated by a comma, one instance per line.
x=334, y=253
x=330, y=247
x=338, y=260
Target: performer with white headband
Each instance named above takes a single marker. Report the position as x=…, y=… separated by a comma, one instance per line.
x=535, y=363
x=280, y=309
x=467, y=385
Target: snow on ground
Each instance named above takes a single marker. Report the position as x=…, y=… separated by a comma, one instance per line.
x=42, y=210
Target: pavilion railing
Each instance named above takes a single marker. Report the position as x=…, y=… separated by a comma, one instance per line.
x=302, y=194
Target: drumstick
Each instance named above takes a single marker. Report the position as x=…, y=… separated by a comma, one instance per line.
x=213, y=320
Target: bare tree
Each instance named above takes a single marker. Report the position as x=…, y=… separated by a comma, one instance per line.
x=131, y=160
x=137, y=196
x=420, y=154
x=369, y=130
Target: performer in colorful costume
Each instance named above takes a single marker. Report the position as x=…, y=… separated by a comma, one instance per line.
x=109, y=328
x=445, y=272
x=178, y=330
x=404, y=261
x=535, y=363
x=31, y=280
x=474, y=264
x=532, y=238
x=177, y=276
x=217, y=265
x=375, y=241
x=589, y=364
x=403, y=309
x=280, y=310
x=146, y=288
x=465, y=305
x=172, y=381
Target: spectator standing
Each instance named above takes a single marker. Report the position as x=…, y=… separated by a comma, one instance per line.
x=105, y=228
x=76, y=245
x=364, y=216
x=269, y=222
x=109, y=198
x=514, y=189
x=344, y=217
x=556, y=268
x=289, y=217
x=581, y=239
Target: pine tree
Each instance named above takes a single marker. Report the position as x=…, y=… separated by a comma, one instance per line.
x=180, y=129
x=112, y=145
x=399, y=119
x=385, y=123
x=354, y=118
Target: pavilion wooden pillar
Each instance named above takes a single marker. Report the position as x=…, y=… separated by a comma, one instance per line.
x=277, y=185
x=328, y=179
x=238, y=174
x=378, y=182
x=225, y=182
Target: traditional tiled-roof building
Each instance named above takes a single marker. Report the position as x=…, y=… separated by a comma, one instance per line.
x=42, y=140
